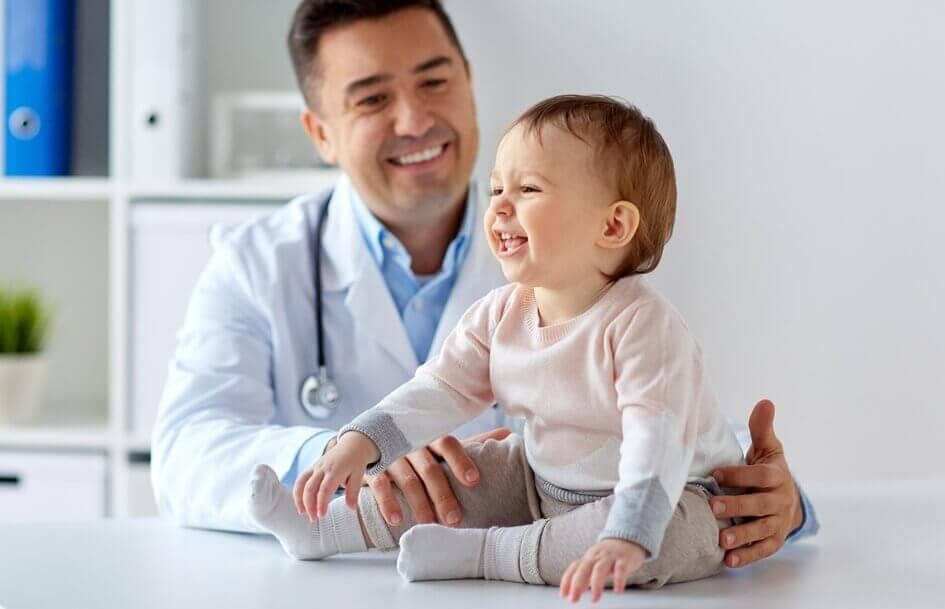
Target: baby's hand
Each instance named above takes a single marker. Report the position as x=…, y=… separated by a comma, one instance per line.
x=605, y=558
x=343, y=465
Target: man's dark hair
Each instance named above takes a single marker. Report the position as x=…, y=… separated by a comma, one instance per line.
x=313, y=18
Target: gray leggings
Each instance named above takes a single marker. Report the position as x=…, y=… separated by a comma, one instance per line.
x=560, y=532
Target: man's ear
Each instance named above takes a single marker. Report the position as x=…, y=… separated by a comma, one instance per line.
x=315, y=128
x=620, y=226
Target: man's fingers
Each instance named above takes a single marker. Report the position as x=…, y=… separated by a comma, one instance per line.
x=761, y=427
x=453, y=452
x=762, y=475
x=744, y=534
x=386, y=500
x=406, y=479
x=754, y=504
x=753, y=553
x=499, y=433
x=437, y=486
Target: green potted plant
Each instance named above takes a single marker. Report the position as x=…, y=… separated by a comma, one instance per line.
x=24, y=328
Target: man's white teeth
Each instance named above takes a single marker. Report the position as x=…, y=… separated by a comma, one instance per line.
x=420, y=157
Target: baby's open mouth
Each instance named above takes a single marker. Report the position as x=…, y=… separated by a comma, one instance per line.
x=509, y=243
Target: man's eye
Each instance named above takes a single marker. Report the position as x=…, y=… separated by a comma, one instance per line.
x=433, y=83
x=372, y=100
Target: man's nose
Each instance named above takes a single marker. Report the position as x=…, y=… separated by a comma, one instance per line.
x=413, y=118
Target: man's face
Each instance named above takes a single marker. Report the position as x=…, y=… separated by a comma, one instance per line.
x=394, y=109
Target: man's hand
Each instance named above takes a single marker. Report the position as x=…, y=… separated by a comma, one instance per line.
x=421, y=479
x=772, y=499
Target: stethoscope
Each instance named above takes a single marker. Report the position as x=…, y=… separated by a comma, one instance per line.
x=319, y=394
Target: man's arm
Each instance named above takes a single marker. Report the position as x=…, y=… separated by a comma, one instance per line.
x=778, y=509
x=213, y=426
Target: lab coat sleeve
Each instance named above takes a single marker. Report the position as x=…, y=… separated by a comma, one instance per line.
x=213, y=424
x=452, y=388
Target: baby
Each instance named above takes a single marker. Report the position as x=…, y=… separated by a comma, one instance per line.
x=610, y=481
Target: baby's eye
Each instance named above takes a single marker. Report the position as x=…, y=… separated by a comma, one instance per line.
x=529, y=188
x=495, y=191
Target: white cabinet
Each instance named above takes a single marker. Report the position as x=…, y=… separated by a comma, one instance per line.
x=51, y=486
x=169, y=248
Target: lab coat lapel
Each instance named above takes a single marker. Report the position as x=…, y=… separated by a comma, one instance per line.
x=479, y=274
x=375, y=314
x=351, y=266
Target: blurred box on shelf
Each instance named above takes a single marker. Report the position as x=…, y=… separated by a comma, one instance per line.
x=258, y=135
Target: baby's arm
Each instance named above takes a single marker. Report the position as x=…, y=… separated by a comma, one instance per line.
x=444, y=393
x=659, y=385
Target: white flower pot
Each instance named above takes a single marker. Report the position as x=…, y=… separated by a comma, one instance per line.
x=21, y=384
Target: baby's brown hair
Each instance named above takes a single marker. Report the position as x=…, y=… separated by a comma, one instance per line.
x=631, y=152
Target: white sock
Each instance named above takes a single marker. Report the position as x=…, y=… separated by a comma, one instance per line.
x=272, y=507
x=431, y=551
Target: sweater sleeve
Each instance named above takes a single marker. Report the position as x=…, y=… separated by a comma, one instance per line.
x=660, y=385
x=445, y=392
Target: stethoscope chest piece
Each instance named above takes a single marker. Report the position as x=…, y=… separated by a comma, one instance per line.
x=319, y=395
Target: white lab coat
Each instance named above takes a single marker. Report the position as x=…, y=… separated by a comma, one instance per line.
x=248, y=342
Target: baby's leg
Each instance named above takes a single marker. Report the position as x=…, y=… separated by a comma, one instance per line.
x=505, y=494
x=272, y=507
x=690, y=547
x=502, y=467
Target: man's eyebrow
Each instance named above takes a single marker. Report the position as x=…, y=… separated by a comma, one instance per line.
x=436, y=62
x=363, y=83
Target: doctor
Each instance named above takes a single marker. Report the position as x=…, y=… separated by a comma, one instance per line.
x=257, y=378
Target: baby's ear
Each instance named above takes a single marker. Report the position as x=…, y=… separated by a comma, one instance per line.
x=620, y=225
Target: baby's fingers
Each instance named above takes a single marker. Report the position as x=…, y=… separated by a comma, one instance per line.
x=565, y=586
x=581, y=580
x=599, y=578
x=298, y=491
x=353, y=488
x=621, y=573
x=309, y=500
x=326, y=492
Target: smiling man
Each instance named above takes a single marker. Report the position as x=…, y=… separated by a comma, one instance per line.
x=401, y=255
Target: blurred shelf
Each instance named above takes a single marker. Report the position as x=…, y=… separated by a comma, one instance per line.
x=60, y=426
x=250, y=189
x=138, y=443
x=56, y=188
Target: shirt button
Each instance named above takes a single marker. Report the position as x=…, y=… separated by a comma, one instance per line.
x=418, y=304
x=389, y=243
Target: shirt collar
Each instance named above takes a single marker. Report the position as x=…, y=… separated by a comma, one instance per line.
x=382, y=243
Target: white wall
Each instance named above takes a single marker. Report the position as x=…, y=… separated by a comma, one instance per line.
x=809, y=141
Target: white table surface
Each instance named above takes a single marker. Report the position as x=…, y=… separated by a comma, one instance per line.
x=881, y=545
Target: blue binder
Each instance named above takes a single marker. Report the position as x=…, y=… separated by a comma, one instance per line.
x=38, y=86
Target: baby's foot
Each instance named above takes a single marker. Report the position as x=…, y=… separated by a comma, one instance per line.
x=431, y=551
x=272, y=507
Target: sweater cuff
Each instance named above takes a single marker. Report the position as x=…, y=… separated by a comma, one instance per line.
x=640, y=514
x=381, y=429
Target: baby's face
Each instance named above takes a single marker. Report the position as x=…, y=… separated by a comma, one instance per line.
x=547, y=208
